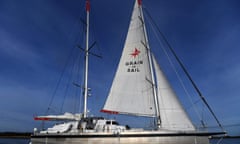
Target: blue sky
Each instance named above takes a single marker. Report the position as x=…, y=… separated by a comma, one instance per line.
x=37, y=37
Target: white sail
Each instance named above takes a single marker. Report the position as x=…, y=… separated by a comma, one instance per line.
x=173, y=115
x=132, y=90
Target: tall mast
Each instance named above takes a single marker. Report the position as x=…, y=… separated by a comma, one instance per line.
x=151, y=66
x=86, y=61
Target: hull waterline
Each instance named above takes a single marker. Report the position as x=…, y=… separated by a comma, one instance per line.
x=123, y=138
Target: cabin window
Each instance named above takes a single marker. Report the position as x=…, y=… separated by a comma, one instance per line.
x=114, y=123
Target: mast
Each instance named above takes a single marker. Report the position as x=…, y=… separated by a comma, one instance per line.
x=86, y=61
x=156, y=104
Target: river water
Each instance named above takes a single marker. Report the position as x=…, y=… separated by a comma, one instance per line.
x=26, y=141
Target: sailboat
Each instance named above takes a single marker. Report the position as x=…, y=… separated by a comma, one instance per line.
x=140, y=88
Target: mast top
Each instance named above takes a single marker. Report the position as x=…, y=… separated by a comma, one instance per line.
x=139, y=2
x=87, y=5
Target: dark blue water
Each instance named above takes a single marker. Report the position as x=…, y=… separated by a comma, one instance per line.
x=225, y=141
x=26, y=141
x=14, y=141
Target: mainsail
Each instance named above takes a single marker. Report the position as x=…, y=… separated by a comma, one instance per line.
x=132, y=89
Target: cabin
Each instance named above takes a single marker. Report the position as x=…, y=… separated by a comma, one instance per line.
x=99, y=124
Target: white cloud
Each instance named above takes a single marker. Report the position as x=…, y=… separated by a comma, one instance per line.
x=17, y=50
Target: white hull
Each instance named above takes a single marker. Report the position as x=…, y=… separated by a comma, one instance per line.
x=124, y=140
x=145, y=137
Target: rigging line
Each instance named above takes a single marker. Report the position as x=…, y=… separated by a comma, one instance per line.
x=82, y=41
x=228, y=125
x=78, y=102
x=94, y=34
x=187, y=74
x=193, y=102
x=59, y=81
x=64, y=68
x=68, y=84
x=178, y=76
x=76, y=90
x=72, y=69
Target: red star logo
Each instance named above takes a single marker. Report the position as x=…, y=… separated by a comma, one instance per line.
x=135, y=53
